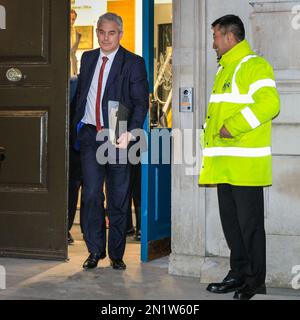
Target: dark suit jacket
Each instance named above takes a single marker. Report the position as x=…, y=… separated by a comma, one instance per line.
x=126, y=83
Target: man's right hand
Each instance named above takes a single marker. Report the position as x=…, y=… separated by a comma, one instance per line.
x=224, y=133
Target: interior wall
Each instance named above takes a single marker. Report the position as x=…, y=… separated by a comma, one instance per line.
x=125, y=9
x=88, y=12
x=138, y=27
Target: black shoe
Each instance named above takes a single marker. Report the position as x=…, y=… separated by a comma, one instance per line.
x=92, y=261
x=130, y=232
x=229, y=284
x=70, y=239
x=247, y=292
x=118, y=264
x=137, y=236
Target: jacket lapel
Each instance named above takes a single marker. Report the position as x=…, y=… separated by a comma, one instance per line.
x=92, y=62
x=116, y=67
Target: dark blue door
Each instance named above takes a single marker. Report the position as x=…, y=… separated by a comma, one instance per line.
x=156, y=177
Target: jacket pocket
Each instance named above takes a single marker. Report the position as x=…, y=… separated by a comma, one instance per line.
x=225, y=142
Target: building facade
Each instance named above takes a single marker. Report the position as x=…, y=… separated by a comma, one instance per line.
x=273, y=29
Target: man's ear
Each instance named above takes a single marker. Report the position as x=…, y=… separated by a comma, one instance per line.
x=231, y=38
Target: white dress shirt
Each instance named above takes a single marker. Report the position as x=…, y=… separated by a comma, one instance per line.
x=90, y=107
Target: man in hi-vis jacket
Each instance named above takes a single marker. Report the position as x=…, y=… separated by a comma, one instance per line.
x=237, y=153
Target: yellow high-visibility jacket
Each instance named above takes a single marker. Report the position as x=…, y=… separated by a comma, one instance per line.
x=244, y=99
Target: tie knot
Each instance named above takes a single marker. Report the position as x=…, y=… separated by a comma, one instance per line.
x=104, y=59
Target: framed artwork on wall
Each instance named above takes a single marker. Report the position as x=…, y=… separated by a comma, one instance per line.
x=87, y=37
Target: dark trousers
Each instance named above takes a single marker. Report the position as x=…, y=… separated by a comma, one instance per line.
x=117, y=178
x=242, y=218
x=135, y=195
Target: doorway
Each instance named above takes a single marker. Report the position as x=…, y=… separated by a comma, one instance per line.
x=156, y=211
x=33, y=176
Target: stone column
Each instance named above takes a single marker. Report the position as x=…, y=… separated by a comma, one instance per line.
x=189, y=68
x=276, y=36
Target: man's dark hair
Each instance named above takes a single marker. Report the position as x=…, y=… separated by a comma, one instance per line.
x=231, y=23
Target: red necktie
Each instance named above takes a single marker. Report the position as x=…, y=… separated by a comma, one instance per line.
x=98, y=123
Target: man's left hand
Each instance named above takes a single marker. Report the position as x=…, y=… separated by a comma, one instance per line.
x=224, y=133
x=124, y=139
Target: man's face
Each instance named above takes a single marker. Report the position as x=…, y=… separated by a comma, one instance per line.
x=222, y=42
x=72, y=18
x=109, y=36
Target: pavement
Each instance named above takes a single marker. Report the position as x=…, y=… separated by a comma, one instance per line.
x=28, y=279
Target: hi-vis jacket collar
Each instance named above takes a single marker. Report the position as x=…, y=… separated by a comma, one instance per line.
x=239, y=51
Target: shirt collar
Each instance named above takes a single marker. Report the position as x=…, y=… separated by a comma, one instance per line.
x=110, y=56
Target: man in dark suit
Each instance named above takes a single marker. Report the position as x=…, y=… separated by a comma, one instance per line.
x=108, y=75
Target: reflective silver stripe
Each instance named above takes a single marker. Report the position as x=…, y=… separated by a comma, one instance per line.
x=230, y=97
x=220, y=68
x=235, y=89
x=235, y=96
x=250, y=117
x=260, y=84
x=237, y=152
